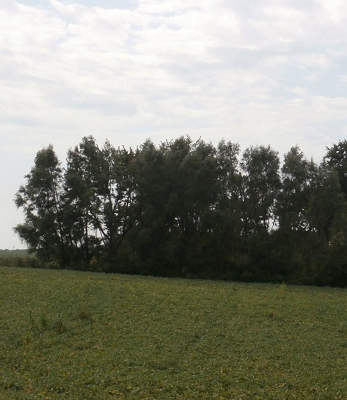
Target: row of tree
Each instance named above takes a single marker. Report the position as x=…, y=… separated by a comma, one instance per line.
x=188, y=208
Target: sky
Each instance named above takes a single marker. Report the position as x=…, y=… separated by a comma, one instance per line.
x=270, y=72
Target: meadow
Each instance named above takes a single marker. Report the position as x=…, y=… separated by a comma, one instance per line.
x=80, y=335
x=13, y=253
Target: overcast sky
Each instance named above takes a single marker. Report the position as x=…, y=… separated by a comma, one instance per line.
x=253, y=72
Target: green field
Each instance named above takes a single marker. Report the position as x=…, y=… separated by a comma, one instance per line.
x=13, y=253
x=76, y=335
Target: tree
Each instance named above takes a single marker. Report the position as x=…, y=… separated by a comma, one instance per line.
x=336, y=157
x=325, y=205
x=336, y=267
x=227, y=227
x=292, y=209
x=81, y=181
x=43, y=203
x=156, y=207
x=177, y=187
x=293, y=199
x=101, y=197
x=260, y=187
x=197, y=190
x=119, y=209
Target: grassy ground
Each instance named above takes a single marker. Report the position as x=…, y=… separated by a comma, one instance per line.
x=13, y=253
x=75, y=335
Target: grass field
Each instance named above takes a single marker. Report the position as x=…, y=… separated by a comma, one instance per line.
x=13, y=253
x=75, y=335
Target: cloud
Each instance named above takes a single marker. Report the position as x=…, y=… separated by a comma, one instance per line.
x=334, y=10
x=159, y=64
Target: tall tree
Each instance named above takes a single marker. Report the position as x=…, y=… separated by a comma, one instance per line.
x=336, y=157
x=197, y=191
x=82, y=178
x=307, y=207
x=152, y=234
x=260, y=187
x=292, y=208
x=42, y=200
x=101, y=195
x=118, y=197
x=178, y=190
x=228, y=244
x=324, y=207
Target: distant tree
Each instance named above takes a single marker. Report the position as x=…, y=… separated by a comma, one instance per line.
x=177, y=187
x=117, y=193
x=101, y=196
x=336, y=266
x=293, y=200
x=43, y=203
x=325, y=201
x=81, y=181
x=228, y=242
x=260, y=187
x=155, y=210
x=292, y=208
x=197, y=191
x=336, y=157
x=325, y=205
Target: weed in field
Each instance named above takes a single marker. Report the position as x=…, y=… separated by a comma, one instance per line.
x=28, y=338
x=44, y=322
x=282, y=288
x=31, y=319
x=59, y=326
x=83, y=346
x=84, y=313
x=168, y=362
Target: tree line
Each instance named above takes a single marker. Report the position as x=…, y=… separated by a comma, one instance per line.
x=191, y=209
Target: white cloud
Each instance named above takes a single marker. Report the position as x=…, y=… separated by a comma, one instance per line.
x=137, y=62
x=312, y=77
x=315, y=61
x=335, y=10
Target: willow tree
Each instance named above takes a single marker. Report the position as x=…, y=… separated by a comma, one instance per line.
x=101, y=196
x=260, y=187
x=45, y=229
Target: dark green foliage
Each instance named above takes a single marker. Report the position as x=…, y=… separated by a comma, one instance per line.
x=260, y=189
x=187, y=208
x=82, y=178
x=44, y=230
x=336, y=158
x=19, y=261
